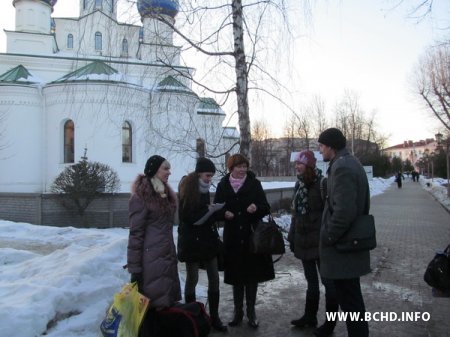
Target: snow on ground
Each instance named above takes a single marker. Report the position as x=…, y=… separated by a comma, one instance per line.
x=58, y=281
x=437, y=187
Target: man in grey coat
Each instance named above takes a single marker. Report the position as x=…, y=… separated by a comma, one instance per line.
x=348, y=196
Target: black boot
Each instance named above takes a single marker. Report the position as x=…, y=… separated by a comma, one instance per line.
x=309, y=319
x=250, y=298
x=238, y=299
x=327, y=328
x=213, y=299
x=188, y=298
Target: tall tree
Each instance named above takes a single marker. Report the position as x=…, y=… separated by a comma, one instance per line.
x=235, y=34
x=262, y=149
x=349, y=117
x=318, y=111
x=359, y=127
x=433, y=82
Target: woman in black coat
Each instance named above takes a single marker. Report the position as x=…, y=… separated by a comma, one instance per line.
x=304, y=236
x=245, y=204
x=198, y=239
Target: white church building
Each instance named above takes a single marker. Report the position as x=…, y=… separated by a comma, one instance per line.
x=91, y=83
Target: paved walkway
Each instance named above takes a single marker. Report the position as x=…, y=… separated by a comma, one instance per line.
x=411, y=226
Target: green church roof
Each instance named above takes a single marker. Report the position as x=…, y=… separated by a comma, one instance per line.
x=96, y=70
x=171, y=84
x=208, y=106
x=19, y=74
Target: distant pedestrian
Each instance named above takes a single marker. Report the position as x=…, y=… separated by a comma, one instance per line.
x=399, y=179
x=348, y=196
x=304, y=235
x=245, y=205
x=415, y=175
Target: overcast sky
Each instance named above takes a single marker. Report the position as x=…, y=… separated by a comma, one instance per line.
x=365, y=46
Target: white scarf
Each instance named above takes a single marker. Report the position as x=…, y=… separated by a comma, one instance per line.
x=203, y=187
x=159, y=187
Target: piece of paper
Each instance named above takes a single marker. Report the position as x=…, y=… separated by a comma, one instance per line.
x=212, y=208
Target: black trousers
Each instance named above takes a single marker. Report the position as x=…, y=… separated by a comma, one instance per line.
x=212, y=270
x=311, y=270
x=348, y=292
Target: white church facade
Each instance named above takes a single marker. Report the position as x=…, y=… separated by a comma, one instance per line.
x=91, y=83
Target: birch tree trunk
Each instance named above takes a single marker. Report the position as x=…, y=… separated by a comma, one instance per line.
x=241, y=78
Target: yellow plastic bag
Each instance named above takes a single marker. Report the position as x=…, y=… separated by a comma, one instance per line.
x=126, y=314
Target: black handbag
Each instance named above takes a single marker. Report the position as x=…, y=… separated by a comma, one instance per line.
x=183, y=320
x=437, y=274
x=267, y=238
x=361, y=235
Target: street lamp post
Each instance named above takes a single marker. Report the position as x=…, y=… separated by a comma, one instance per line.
x=426, y=156
x=441, y=141
x=432, y=156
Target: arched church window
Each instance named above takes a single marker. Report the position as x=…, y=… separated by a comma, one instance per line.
x=98, y=3
x=127, y=142
x=124, y=47
x=98, y=41
x=70, y=41
x=141, y=34
x=69, y=142
x=200, y=148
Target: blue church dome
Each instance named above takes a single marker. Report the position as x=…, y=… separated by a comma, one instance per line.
x=149, y=7
x=50, y=2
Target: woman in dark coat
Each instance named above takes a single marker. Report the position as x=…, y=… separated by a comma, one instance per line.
x=198, y=238
x=399, y=179
x=245, y=204
x=151, y=257
x=304, y=235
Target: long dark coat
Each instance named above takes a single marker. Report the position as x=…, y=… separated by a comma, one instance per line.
x=304, y=233
x=197, y=243
x=242, y=267
x=151, y=250
x=348, y=196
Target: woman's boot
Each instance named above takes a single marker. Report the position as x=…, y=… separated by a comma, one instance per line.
x=188, y=298
x=327, y=328
x=250, y=297
x=213, y=299
x=309, y=319
x=238, y=299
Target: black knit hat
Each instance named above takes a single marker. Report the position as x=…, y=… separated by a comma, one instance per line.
x=152, y=165
x=205, y=165
x=333, y=138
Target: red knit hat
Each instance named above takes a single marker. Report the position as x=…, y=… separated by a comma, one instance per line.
x=306, y=157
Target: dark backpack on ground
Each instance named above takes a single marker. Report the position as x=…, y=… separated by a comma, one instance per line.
x=437, y=274
x=184, y=320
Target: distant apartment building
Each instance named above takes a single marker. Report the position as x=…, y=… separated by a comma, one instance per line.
x=410, y=150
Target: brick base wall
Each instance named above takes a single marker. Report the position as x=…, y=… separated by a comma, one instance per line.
x=109, y=210
x=46, y=209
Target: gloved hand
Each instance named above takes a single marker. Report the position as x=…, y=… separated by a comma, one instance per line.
x=136, y=277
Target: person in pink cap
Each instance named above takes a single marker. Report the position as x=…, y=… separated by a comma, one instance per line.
x=304, y=236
